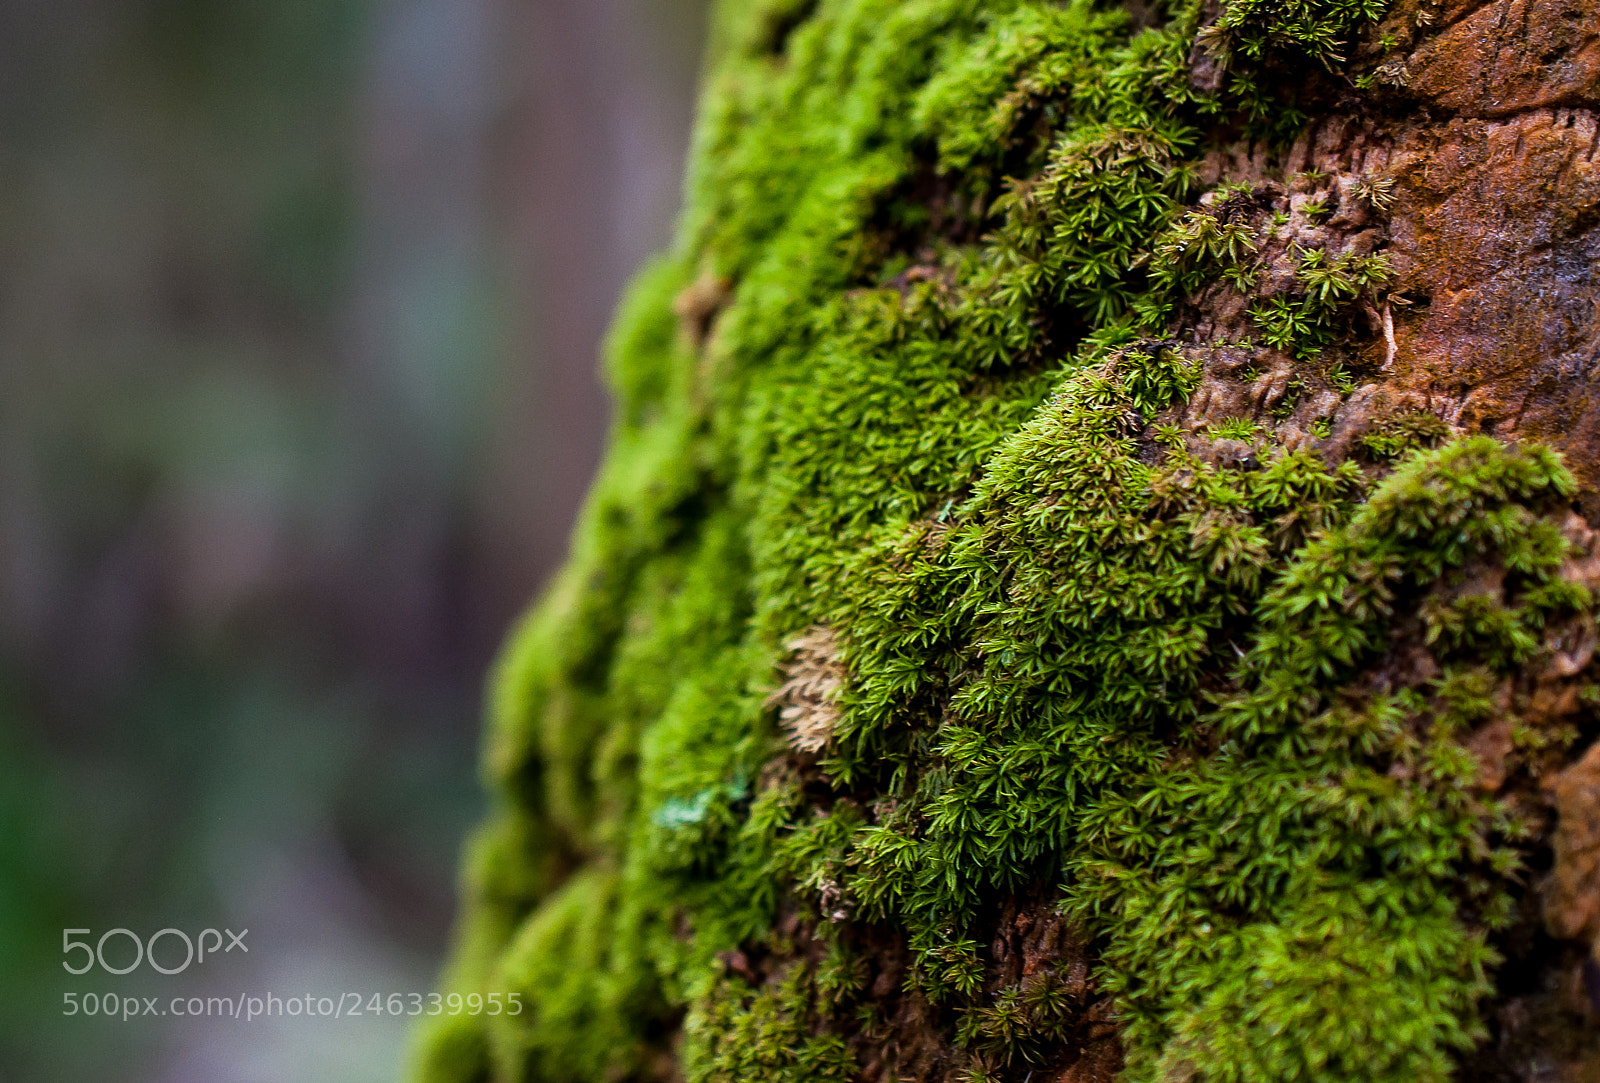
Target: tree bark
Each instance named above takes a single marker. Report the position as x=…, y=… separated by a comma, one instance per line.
x=1093, y=573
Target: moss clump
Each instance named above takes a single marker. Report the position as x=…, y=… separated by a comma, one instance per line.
x=740, y=1033
x=1333, y=844
x=1234, y=237
x=907, y=382
x=1393, y=436
x=1305, y=320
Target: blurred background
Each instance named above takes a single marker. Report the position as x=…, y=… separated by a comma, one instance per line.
x=299, y=309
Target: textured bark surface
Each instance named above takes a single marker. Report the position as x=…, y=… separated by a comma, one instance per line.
x=1459, y=174
x=1491, y=141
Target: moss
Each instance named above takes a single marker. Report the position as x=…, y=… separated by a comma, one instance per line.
x=1393, y=436
x=1333, y=841
x=1304, y=321
x=1317, y=28
x=1085, y=658
x=1234, y=237
x=456, y=1049
x=741, y=1033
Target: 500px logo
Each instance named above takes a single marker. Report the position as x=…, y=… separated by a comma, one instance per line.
x=194, y=949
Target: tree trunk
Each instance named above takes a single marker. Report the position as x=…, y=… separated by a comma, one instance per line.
x=1092, y=573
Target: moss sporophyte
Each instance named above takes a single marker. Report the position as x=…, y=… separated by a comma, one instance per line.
x=912, y=598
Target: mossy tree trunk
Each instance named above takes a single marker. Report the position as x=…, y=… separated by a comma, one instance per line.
x=1093, y=572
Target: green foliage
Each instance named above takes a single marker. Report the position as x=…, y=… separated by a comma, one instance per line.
x=1333, y=842
x=1200, y=247
x=1021, y=1024
x=1304, y=321
x=1078, y=652
x=1394, y=436
x=1316, y=28
x=1031, y=61
x=1223, y=241
x=1329, y=283
x=1235, y=428
x=1299, y=998
x=742, y=1034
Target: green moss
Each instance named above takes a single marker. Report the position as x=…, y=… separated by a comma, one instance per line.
x=1223, y=241
x=456, y=1049
x=1081, y=657
x=1394, y=436
x=740, y=1033
x=1029, y=62
x=1318, y=28
x=1306, y=320
x=1333, y=841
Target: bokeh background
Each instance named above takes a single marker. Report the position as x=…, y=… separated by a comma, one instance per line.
x=300, y=302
